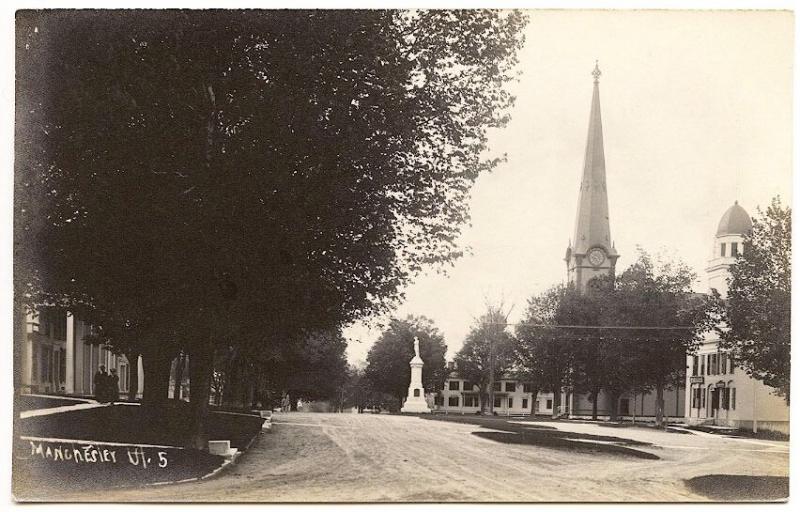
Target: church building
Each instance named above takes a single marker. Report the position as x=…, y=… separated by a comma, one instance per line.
x=591, y=253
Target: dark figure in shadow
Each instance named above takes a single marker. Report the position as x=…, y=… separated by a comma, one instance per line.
x=101, y=385
x=113, y=386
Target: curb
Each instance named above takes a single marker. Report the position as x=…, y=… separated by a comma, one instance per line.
x=224, y=465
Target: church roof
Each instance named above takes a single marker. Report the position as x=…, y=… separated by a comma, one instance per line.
x=592, y=223
x=736, y=221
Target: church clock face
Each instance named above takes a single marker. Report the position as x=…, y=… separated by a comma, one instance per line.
x=596, y=257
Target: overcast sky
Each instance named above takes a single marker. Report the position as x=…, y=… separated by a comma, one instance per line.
x=697, y=113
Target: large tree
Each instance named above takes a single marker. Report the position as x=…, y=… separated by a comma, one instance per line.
x=655, y=294
x=757, y=327
x=487, y=353
x=387, y=361
x=627, y=332
x=543, y=356
x=218, y=178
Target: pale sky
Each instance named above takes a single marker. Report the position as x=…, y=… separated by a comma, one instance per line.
x=697, y=113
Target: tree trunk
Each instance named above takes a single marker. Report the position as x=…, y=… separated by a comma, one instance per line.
x=201, y=365
x=534, y=395
x=595, y=393
x=614, y=399
x=156, y=363
x=231, y=385
x=556, y=399
x=251, y=394
x=659, y=405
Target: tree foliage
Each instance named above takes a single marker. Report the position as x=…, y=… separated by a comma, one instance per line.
x=387, y=361
x=626, y=333
x=486, y=341
x=758, y=314
x=203, y=179
x=542, y=355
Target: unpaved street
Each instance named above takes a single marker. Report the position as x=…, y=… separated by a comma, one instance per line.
x=365, y=457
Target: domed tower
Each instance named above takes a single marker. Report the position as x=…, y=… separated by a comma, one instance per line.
x=728, y=244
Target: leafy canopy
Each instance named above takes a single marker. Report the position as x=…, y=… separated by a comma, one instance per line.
x=185, y=169
x=387, y=361
x=758, y=314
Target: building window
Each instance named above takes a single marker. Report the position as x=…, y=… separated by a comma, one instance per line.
x=452, y=401
x=511, y=387
x=34, y=362
x=722, y=250
x=696, y=398
x=438, y=400
x=703, y=364
x=524, y=403
x=510, y=403
x=723, y=363
x=536, y=406
x=734, y=249
x=526, y=388
x=712, y=364
x=497, y=386
x=468, y=386
x=47, y=364
x=549, y=404
x=454, y=385
x=730, y=358
x=123, y=377
x=497, y=401
x=470, y=401
x=726, y=394
x=624, y=406
x=733, y=398
x=694, y=365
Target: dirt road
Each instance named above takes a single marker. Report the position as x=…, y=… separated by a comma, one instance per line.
x=363, y=457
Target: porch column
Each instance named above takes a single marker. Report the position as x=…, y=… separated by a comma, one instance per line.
x=140, y=375
x=69, y=378
x=27, y=354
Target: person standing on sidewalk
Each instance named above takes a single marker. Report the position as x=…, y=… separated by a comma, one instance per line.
x=113, y=386
x=101, y=385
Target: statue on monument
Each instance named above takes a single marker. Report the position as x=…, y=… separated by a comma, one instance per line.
x=416, y=403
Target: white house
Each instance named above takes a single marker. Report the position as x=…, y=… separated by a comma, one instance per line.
x=717, y=392
x=55, y=359
x=511, y=397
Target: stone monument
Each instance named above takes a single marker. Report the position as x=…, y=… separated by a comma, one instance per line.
x=416, y=393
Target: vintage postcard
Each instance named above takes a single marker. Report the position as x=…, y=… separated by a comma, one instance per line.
x=402, y=256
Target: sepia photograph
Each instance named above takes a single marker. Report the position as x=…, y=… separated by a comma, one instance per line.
x=426, y=255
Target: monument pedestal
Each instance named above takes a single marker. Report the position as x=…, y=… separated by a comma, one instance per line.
x=416, y=402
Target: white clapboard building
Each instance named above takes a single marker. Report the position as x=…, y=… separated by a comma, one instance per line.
x=512, y=397
x=54, y=359
x=717, y=391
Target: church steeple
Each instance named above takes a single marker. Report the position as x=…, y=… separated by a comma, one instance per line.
x=592, y=251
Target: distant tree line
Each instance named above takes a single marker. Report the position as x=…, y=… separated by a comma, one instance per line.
x=627, y=333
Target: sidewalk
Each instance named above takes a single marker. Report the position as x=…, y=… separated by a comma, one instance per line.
x=85, y=445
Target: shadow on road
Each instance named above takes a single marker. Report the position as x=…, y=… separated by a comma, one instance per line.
x=550, y=437
x=740, y=487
